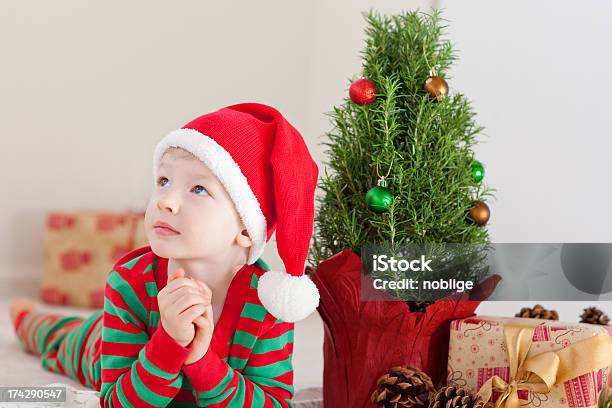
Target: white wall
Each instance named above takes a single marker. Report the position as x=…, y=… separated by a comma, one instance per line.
x=536, y=73
x=87, y=89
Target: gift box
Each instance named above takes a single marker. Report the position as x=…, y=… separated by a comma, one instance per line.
x=80, y=249
x=530, y=362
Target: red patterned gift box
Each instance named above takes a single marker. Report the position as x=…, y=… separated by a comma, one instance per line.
x=80, y=249
x=531, y=362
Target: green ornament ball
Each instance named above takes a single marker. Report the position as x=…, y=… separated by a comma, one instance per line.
x=478, y=171
x=379, y=199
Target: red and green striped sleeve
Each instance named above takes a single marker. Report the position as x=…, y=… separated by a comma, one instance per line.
x=137, y=370
x=265, y=381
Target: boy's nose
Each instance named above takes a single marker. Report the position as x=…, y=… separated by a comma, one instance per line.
x=168, y=204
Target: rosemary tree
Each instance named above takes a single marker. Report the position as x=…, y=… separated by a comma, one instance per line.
x=420, y=147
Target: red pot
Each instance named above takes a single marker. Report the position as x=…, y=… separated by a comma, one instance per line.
x=363, y=339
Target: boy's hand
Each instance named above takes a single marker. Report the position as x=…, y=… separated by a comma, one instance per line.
x=205, y=326
x=180, y=302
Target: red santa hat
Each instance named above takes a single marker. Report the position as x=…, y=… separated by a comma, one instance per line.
x=264, y=165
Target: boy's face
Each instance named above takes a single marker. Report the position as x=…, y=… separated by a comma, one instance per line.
x=189, y=197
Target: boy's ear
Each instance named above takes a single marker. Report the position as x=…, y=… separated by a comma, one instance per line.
x=243, y=239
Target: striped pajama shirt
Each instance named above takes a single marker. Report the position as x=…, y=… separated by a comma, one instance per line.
x=124, y=352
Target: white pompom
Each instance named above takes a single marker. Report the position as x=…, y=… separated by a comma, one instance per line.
x=287, y=297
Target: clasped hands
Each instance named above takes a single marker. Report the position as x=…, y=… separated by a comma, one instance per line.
x=186, y=313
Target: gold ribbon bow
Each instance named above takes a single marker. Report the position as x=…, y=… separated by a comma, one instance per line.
x=540, y=372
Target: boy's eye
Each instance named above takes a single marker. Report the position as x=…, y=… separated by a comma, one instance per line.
x=162, y=181
x=199, y=189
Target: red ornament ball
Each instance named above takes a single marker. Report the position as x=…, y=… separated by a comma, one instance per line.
x=362, y=91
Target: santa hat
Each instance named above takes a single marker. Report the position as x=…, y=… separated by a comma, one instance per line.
x=265, y=167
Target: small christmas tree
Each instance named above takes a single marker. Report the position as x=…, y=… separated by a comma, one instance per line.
x=403, y=171
x=401, y=147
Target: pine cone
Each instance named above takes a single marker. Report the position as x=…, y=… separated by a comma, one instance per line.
x=538, y=312
x=457, y=397
x=405, y=387
x=593, y=315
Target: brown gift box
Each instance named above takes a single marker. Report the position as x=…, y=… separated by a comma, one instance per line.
x=478, y=351
x=80, y=249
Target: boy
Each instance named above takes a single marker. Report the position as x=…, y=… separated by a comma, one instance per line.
x=193, y=319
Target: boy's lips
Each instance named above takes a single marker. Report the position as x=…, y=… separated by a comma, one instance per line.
x=163, y=228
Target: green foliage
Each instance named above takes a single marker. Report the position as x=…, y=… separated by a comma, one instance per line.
x=423, y=147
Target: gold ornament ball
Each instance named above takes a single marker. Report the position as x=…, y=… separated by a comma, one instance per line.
x=479, y=213
x=436, y=87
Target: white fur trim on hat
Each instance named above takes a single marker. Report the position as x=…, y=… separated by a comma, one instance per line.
x=221, y=163
x=287, y=297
